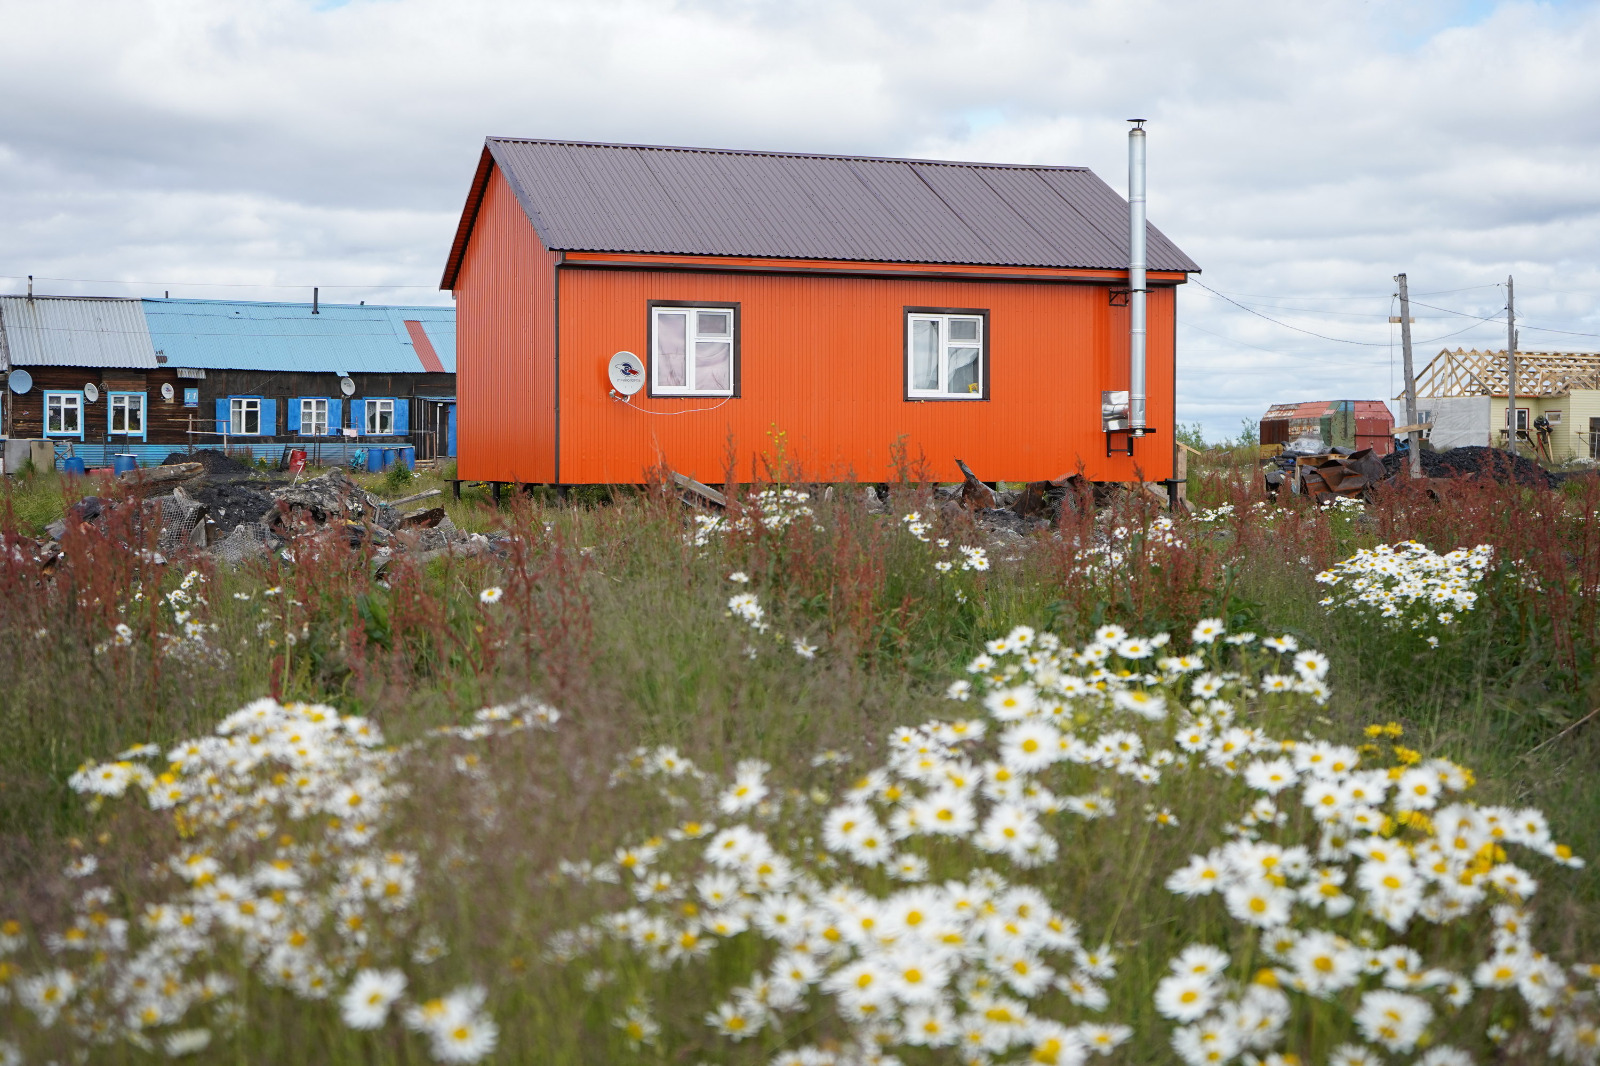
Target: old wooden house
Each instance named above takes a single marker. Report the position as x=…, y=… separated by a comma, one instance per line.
x=623, y=307
x=149, y=377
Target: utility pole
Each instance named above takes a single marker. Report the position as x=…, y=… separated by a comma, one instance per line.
x=1413, y=435
x=1511, y=360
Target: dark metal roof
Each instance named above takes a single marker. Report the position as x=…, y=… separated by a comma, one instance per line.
x=698, y=201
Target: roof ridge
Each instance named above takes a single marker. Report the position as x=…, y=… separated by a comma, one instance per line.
x=786, y=155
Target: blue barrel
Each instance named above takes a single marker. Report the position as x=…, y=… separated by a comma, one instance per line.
x=124, y=462
x=388, y=458
x=406, y=455
x=374, y=460
x=72, y=464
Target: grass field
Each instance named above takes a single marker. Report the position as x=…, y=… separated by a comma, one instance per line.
x=534, y=884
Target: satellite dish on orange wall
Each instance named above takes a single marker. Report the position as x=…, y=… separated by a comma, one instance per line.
x=626, y=372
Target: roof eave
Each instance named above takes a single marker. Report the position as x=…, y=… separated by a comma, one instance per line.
x=469, y=216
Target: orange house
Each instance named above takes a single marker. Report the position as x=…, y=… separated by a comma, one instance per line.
x=828, y=304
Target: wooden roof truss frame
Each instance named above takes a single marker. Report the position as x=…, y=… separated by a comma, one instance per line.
x=1475, y=373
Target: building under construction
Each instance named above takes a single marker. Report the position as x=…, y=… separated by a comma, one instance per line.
x=1464, y=394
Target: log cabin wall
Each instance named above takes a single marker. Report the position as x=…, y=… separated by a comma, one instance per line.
x=173, y=424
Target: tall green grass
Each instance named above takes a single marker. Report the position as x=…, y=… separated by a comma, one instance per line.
x=611, y=614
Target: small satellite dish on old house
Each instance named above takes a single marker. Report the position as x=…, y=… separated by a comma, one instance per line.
x=91, y=392
x=20, y=381
x=167, y=391
x=626, y=372
x=347, y=386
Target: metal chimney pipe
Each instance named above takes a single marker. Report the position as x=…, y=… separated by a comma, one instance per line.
x=1136, y=268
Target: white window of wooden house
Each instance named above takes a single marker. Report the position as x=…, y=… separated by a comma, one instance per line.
x=314, y=417
x=244, y=416
x=946, y=355
x=127, y=414
x=694, y=351
x=380, y=417
x=63, y=414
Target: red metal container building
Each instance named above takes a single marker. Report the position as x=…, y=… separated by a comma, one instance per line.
x=976, y=310
x=1352, y=423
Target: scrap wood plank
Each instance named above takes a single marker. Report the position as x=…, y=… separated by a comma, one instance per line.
x=414, y=499
x=150, y=475
x=701, y=490
x=1419, y=427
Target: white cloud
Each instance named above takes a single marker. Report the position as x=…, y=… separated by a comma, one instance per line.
x=1302, y=153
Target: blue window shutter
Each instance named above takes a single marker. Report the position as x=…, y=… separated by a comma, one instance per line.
x=335, y=414
x=358, y=416
x=222, y=414
x=293, y=415
x=402, y=416
x=269, y=418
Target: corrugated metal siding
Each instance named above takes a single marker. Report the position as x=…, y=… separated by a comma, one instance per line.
x=236, y=335
x=76, y=331
x=322, y=452
x=505, y=389
x=823, y=362
x=626, y=198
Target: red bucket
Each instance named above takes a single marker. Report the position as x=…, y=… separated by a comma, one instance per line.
x=297, y=460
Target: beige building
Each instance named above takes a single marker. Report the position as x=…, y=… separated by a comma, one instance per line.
x=1464, y=395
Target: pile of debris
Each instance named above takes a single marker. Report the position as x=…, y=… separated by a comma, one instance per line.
x=1340, y=473
x=232, y=492
x=334, y=501
x=1475, y=461
x=1353, y=474
x=1036, y=506
x=218, y=504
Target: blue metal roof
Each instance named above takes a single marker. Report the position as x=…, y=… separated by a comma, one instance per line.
x=238, y=335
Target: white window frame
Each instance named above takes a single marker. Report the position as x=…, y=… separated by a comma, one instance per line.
x=120, y=403
x=319, y=418
x=69, y=401
x=942, y=320
x=692, y=338
x=239, y=408
x=370, y=419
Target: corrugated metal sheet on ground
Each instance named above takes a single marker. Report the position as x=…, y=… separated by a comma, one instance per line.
x=689, y=201
x=76, y=331
x=237, y=335
x=323, y=453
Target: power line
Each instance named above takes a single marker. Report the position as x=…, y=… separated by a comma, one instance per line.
x=1346, y=340
x=1285, y=325
x=1564, y=332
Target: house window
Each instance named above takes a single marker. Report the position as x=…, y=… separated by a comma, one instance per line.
x=946, y=354
x=380, y=417
x=244, y=416
x=1523, y=417
x=127, y=414
x=314, y=417
x=1594, y=438
x=694, y=350
x=1553, y=417
x=63, y=414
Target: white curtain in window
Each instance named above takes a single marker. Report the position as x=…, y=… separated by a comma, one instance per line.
x=713, y=365
x=671, y=350
x=924, y=354
x=963, y=367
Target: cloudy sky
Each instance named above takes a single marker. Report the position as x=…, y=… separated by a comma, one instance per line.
x=1303, y=153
